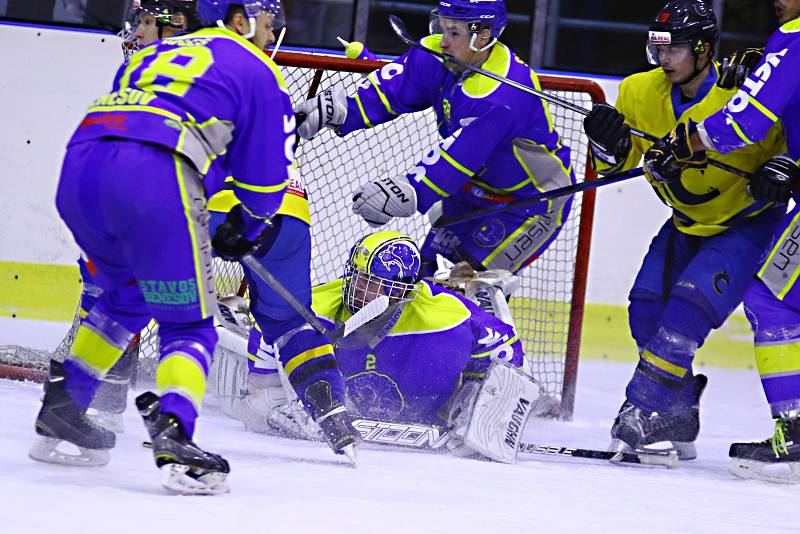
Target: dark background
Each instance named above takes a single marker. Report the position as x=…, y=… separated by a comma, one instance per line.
x=579, y=35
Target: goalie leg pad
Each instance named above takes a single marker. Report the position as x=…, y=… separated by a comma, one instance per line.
x=501, y=410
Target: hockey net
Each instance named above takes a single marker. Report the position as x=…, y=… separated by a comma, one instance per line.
x=547, y=308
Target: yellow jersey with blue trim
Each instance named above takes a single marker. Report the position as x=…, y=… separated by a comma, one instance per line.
x=706, y=201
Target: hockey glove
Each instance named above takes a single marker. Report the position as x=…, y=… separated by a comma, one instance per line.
x=380, y=200
x=326, y=110
x=736, y=68
x=239, y=234
x=669, y=157
x=775, y=180
x=610, y=136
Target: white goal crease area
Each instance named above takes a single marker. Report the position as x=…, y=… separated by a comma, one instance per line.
x=547, y=308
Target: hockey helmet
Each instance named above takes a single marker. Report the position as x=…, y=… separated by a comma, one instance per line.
x=176, y=14
x=381, y=263
x=476, y=14
x=214, y=12
x=683, y=22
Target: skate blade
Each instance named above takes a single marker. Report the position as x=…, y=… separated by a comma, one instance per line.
x=350, y=453
x=662, y=457
x=46, y=450
x=776, y=473
x=175, y=479
x=684, y=450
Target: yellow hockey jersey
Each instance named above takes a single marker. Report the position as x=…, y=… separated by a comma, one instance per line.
x=705, y=201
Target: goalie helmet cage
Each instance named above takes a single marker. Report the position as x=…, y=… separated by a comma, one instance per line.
x=547, y=308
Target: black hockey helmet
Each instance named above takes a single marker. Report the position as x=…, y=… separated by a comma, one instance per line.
x=690, y=22
x=176, y=14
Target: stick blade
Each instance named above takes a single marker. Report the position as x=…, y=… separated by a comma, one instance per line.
x=400, y=29
x=366, y=314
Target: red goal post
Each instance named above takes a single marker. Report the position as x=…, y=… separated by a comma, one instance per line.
x=548, y=308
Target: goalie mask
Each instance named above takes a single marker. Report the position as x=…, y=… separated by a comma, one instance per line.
x=178, y=15
x=475, y=14
x=383, y=263
x=682, y=27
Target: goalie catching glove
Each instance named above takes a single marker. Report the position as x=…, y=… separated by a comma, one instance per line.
x=378, y=201
x=775, y=180
x=326, y=110
x=670, y=156
x=240, y=234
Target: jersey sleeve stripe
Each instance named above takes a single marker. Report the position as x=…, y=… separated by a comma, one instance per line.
x=373, y=79
x=364, y=117
x=449, y=159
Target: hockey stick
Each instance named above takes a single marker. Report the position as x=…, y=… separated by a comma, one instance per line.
x=364, y=315
x=547, y=195
x=273, y=282
x=431, y=437
x=401, y=30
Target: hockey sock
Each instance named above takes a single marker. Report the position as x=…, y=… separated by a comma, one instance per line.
x=776, y=329
x=183, y=365
x=663, y=381
x=99, y=343
x=308, y=357
x=644, y=317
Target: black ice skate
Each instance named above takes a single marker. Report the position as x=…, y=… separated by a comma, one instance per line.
x=635, y=430
x=61, y=420
x=333, y=420
x=776, y=459
x=186, y=468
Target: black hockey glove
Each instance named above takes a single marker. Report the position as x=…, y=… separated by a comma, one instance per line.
x=775, y=180
x=240, y=234
x=735, y=69
x=669, y=157
x=610, y=136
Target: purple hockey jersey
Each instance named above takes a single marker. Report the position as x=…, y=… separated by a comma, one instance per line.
x=771, y=93
x=499, y=143
x=412, y=371
x=216, y=99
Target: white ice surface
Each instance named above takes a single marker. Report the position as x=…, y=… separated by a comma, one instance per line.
x=285, y=486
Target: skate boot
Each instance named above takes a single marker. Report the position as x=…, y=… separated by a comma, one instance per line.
x=111, y=398
x=186, y=468
x=776, y=459
x=61, y=419
x=636, y=430
x=333, y=420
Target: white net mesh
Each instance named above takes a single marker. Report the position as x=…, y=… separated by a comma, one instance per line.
x=333, y=168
